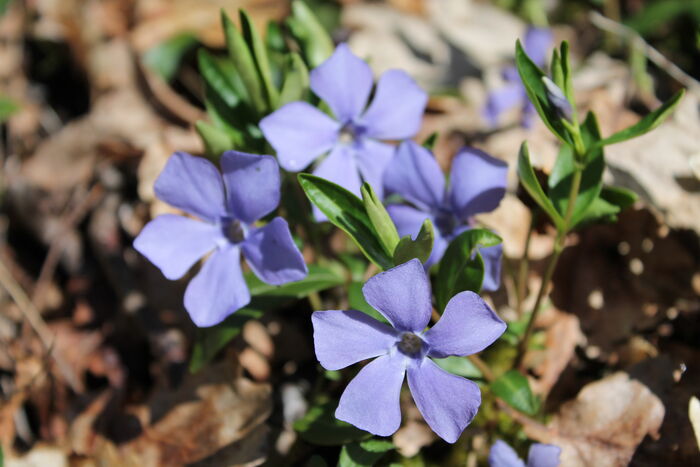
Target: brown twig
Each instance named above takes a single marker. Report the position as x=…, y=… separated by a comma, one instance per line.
x=611, y=26
x=20, y=297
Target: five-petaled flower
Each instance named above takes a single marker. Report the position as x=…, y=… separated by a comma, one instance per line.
x=402, y=295
x=536, y=44
x=540, y=455
x=300, y=132
x=228, y=204
x=477, y=185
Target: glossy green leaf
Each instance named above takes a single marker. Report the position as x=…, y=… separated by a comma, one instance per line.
x=461, y=267
x=316, y=44
x=420, y=248
x=347, y=212
x=591, y=179
x=529, y=181
x=646, y=124
x=514, y=389
x=611, y=202
x=222, y=78
x=531, y=76
x=209, y=341
x=319, y=278
x=364, y=453
x=459, y=366
x=216, y=140
x=296, y=81
x=567, y=78
x=259, y=53
x=245, y=65
x=165, y=57
x=319, y=426
x=618, y=196
x=224, y=117
x=7, y=108
x=382, y=223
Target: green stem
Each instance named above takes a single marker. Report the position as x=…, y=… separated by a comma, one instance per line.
x=523, y=268
x=558, y=248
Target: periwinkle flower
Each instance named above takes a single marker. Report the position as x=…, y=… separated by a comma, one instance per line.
x=477, y=184
x=228, y=204
x=540, y=455
x=536, y=43
x=402, y=295
x=300, y=133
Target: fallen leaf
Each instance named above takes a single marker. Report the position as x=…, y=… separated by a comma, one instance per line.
x=212, y=410
x=603, y=426
x=694, y=415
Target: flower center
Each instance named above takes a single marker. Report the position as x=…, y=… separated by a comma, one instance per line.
x=446, y=222
x=234, y=231
x=410, y=344
x=350, y=133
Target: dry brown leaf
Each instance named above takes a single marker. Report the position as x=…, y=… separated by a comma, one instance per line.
x=214, y=409
x=603, y=426
x=563, y=334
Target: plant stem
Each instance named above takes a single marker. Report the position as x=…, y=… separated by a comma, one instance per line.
x=558, y=248
x=523, y=268
x=482, y=366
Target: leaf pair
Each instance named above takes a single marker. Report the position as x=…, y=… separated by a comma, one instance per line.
x=367, y=222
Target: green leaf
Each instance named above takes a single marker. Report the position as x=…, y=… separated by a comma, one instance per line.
x=224, y=116
x=315, y=42
x=245, y=65
x=567, y=79
x=462, y=267
x=531, y=76
x=165, y=57
x=420, y=248
x=529, y=181
x=319, y=426
x=382, y=223
x=364, y=453
x=430, y=141
x=274, y=39
x=591, y=179
x=459, y=366
x=620, y=197
x=259, y=52
x=222, y=78
x=216, y=140
x=556, y=69
x=296, y=81
x=7, y=108
x=611, y=202
x=319, y=278
x=515, y=390
x=209, y=341
x=356, y=300
x=346, y=211
x=646, y=124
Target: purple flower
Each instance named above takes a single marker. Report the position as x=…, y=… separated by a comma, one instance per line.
x=300, y=132
x=477, y=184
x=402, y=295
x=540, y=455
x=536, y=44
x=228, y=204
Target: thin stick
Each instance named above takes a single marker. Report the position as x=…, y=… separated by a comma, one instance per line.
x=482, y=366
x=523, y=267
x=611, y=26
x=37, y=323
